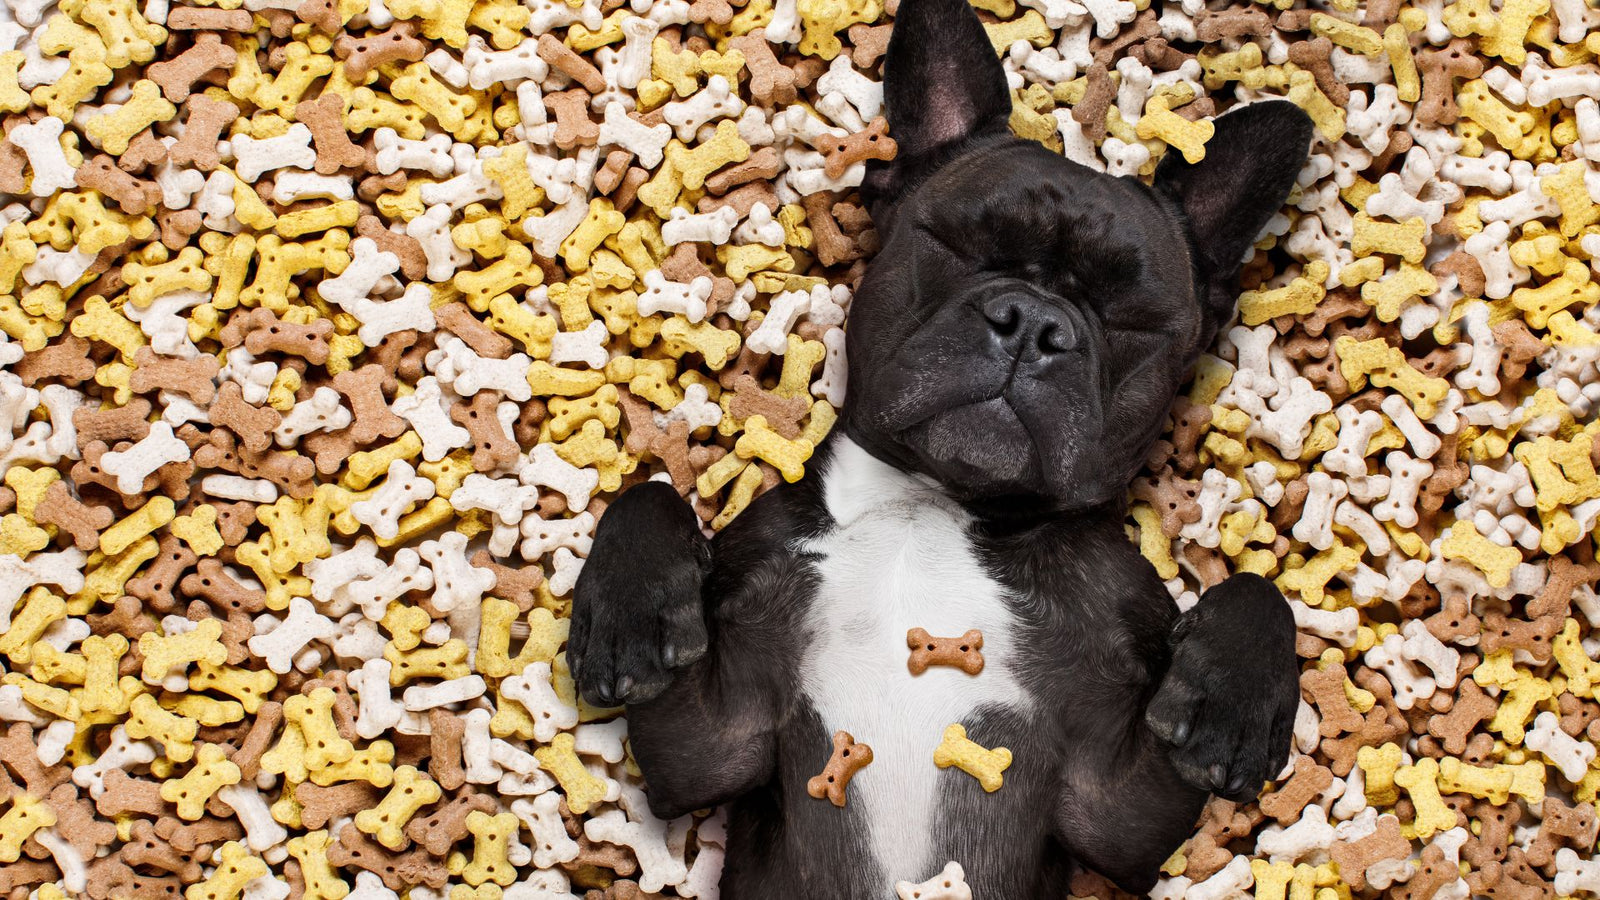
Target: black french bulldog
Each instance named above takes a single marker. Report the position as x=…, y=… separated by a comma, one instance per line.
x=1013, y=351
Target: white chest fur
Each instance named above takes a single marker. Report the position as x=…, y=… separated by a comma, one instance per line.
x=899, y=558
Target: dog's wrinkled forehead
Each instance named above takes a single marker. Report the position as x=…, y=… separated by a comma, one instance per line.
x=1019, y=210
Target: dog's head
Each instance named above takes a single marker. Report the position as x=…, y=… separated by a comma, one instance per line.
x=1028, y=321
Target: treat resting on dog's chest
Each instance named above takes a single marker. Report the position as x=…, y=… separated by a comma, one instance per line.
x=899, y=557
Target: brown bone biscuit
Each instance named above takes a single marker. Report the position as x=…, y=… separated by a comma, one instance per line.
x=197, y=145
x=177, y=76
x=962, y=652
x=361, y=55
x=325, y=117
x=872, y=142
x=83, y=522
x=193, y=18
x=847, y=759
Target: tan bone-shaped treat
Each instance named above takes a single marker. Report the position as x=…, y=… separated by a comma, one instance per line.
x=964, y=652
x=848, y=758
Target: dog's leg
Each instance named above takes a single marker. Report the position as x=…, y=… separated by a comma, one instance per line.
x=1227, y=703
x=1219, y=722
x=671, y=624
x=1123, y=807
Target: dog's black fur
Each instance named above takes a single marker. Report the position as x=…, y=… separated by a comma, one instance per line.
x=1018, y=340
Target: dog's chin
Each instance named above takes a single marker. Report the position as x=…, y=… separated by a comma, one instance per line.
x=988, y=451
x=978, y=448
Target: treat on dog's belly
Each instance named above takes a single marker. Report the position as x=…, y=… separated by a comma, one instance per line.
x=898, y=558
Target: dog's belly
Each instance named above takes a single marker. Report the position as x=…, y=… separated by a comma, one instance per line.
x=900, y=559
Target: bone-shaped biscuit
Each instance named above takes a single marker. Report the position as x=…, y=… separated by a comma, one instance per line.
x=848, y=758
x=949, y=884
x=971, y=758
x=964, y=652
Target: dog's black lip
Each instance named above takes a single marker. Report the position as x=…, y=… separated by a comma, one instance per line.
x=1003, y=395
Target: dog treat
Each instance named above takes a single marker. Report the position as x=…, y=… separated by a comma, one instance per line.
x=964, y=652
x=949, y=884
x=847, y=759
x=955, y=749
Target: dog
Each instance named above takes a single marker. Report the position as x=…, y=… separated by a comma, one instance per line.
x=1013, y=352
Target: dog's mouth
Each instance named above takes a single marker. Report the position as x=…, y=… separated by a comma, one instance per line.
x=1025, y=438
x=987, y=438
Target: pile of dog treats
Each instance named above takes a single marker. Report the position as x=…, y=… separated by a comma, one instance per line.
x=330, y=326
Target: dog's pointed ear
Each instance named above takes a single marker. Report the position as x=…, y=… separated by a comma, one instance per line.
x=1228, y=197
x=942, y=85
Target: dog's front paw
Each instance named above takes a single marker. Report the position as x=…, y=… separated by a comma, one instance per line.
x=637, y=616
x=1228, y=701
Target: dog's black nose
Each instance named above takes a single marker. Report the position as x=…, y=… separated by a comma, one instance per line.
x=1029, y=326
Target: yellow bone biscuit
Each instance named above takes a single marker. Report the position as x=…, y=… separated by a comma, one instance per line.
x=1582, y=673
x=1304, y=93
x=1390, y=296
x=516, y=321
x=208, y=711
x=53, y=700
x=1567, y=188
x=1160, y=122
x=724, y=147
x=199, y=530
x=986, y=765
x=113, y=131
x=418, y=85
x=554, y=381
x=26, y=815
x=1492, y=783
x=491, y=843
x=1562, y=471
x=1378, y=765
x=1494, y=561
x=183, y=272
x=448, y=660
x=40, y=610
x=163, y=653
x=1387, y=366
x=1407, y=240
x=239, y=867
x=102, y=689
x=1573, y=285
x=321, y=878
x=370, y=764
x=13, y=98
x=313, y=713
x=405, y=624
x=717, y=346
x=99, y=322
x=583, y=790
x=515, y=269
x=1508, y=39
x=146, y=520
x=601, y=222
x=1509, y=127
x=212, y=771
x=129, y=37
x=443, y=20
x=1421, y=781
x=288, y=756
x=760, y=442
x=1397, y=45
x=1517, y=706
x=739, y=496
x=175, y=733
x=52, y=666
x=411, y=791
x=1355, y=38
